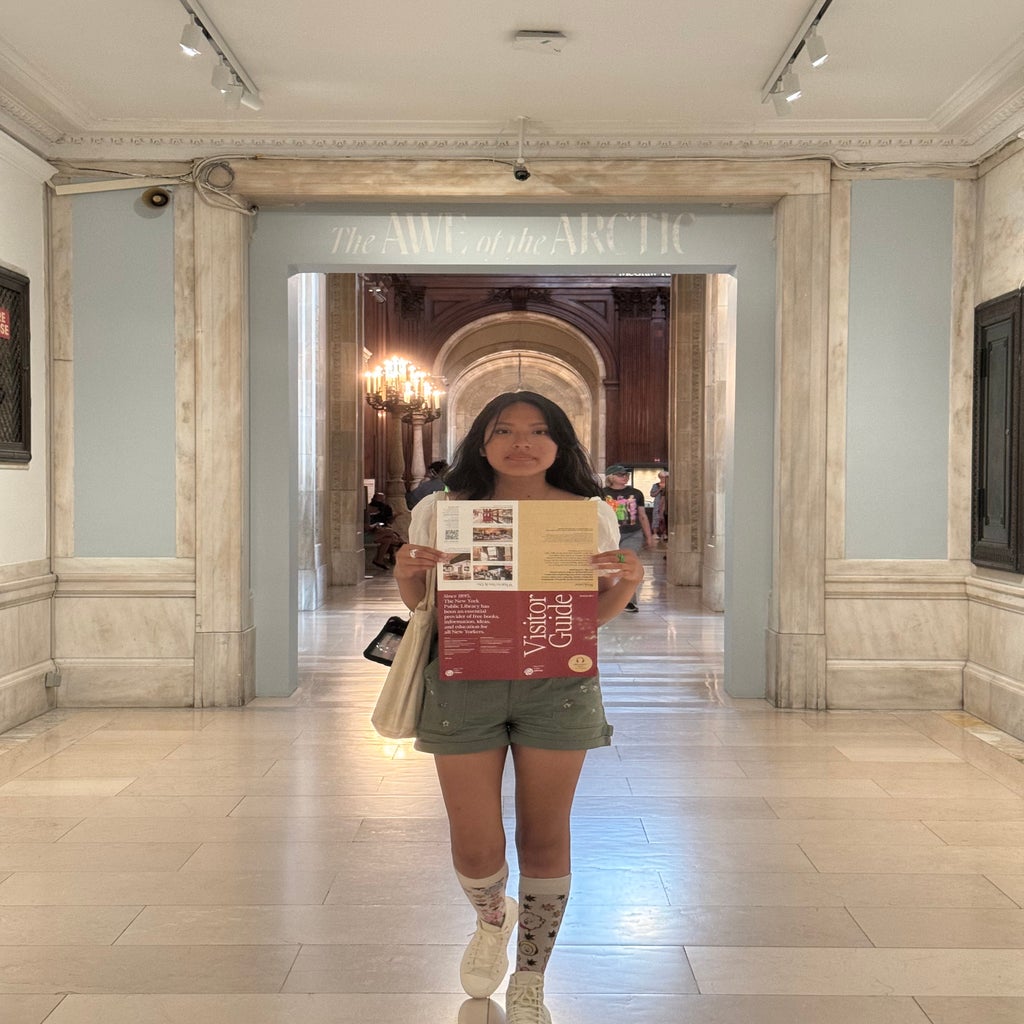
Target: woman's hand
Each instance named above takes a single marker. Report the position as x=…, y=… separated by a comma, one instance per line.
x=413, y=561
x=624, y=565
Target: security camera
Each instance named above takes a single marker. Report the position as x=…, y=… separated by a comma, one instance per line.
x=520, y=171
x=156, y=197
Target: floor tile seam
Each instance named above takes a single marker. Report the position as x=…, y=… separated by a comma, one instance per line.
x=951, y=737
x=992, y=881
x=29, y=759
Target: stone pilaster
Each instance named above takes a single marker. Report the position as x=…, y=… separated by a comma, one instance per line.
x=796, y=635
x=224, y=662
x=345, y=431
x=685, y=425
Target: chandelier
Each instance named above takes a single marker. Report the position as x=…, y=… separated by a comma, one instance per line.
x=403, y=390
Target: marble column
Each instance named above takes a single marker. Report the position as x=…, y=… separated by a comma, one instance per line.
x=344, y=431
x=394, y=491
x=417, y=463
x=796, y=632
x=685, y=416
x=225, y=638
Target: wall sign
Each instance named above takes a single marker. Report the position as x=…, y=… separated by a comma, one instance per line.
x=508, y=238
x=15, y=392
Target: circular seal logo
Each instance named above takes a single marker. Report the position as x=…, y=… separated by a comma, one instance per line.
x=581, y=663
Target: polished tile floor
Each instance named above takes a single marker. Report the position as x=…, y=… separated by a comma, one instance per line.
x=733, y=864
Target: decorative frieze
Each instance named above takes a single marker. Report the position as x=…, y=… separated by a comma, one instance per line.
x=641, y=303
x=521, y=298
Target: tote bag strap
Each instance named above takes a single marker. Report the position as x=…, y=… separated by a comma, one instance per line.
x=430, y=594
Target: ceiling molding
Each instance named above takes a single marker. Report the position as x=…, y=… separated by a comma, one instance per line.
x=21, y=117
x=992, y=90
x=849, y=146
x=30, y=89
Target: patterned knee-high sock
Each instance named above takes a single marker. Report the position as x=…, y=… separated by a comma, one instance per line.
x=541, y=908
x=487, y=895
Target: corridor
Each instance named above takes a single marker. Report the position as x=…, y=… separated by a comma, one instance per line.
x=733, y=864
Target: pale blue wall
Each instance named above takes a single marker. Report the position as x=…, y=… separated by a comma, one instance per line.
x=123, y=295
x=897, y=426
x=481, y=239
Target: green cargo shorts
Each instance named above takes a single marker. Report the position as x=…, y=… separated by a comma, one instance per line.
x=466, y=716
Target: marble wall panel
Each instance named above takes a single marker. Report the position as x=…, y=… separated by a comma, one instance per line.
x=225, y=668
x=838, y=346
x=994, y=677
x=997, y=634
x=25, y=596
x=185, y=373
x=896, y=628
x=34, y=628
x=1006, y=706
x=796, y=670
x=801, y=360
x=999, y=259
x=961, y=372
x=23, y=696
x=124, y=627
x=878, y=685
x=10, y=656
x=308, y=593
x=140, y=683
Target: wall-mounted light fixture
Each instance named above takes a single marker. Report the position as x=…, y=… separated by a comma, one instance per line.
x=783, y=85
x=200, y=36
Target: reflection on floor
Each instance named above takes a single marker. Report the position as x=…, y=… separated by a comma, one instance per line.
x=733, y=864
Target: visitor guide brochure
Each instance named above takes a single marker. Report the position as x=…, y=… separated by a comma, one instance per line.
x=517, y=598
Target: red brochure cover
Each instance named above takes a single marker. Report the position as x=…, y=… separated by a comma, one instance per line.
x=517, y=598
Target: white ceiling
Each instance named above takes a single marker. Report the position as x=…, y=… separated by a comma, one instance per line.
x=909, y=81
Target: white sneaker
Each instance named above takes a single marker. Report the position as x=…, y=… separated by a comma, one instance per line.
x=524, y=1000
x=486, y=958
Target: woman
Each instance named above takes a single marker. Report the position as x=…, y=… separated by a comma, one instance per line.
x=521, y=447
x=379, y=517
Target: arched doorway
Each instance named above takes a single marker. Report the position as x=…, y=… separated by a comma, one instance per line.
x=523, y=351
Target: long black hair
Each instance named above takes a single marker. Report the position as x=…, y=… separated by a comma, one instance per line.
x=472, y=477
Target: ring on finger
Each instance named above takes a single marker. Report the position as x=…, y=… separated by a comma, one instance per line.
x=622, y=558
x=414, y=553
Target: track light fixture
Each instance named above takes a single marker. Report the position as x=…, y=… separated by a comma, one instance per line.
x=817, y=51
x=791, y=86
x=782, y=106
x=783, y=85
x=193, y=42
x=222, y=79
x=229, y=78
x=233, y=96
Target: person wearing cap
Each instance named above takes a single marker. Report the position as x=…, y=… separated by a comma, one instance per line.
x=628, y=504
x=433, y=481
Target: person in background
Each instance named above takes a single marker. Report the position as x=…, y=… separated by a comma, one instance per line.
x=379, y=517
x=629, y=507
x=521, y=447
x=659, y=513
x=433, y=481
